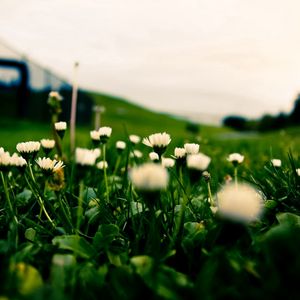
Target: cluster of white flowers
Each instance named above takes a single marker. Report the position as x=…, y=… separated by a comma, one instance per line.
x=101, y=135
x=276, y=163
x=191, y=148
x=28, y=147
x=236, y=158
x=134, y=139
x=49, y=165
x=48, y=144
x=149, y=177
x=86, y=157
x=7, y=160
x=159, y=140
x=239, y=202
x=198, y=161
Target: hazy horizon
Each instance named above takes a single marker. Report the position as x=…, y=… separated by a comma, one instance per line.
x=196, y=57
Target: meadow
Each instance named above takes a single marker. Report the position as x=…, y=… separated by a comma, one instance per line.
x=212, y=215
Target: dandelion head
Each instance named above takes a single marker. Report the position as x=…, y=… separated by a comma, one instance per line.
x=241, y=202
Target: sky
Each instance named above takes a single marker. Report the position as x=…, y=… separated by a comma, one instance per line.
x=214, y=57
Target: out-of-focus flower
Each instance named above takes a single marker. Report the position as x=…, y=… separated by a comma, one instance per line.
x=136, y=153
x=240, y=202
x=198, y=161
x=191, y=148
x=17, y=161
x=298, y=172
x=86, y=157
x=158, y=142
x=179, y=152
x=48, y=165
x=120, y=145
x=95, y=135
x=206, y=176
x=60, y=126
x=47, y=144
x=235, y=158
x=105, y=133
x=134, y=139
x=56, y=95
x=4, y=161
x=149, y=177
x=1, y=150
x=102, y=165
x=153, y=156
x=167, y=162
x=276, y=163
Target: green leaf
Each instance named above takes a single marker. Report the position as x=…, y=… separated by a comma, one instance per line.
x=24, y=197
x=105, y=235
x=30, y=234
x=76, y=244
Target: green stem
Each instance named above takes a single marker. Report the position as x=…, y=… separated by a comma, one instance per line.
x=15, y=219
x=235, y=176
x=210, y=198
x=105, y=173
x=39, y=198
x=79, y=208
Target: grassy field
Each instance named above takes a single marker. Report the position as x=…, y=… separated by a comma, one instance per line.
x=138, y=229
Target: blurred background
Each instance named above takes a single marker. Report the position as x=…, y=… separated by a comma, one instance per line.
x=228, y=62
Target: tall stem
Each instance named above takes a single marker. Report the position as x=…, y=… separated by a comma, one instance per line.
x=79, y=208
x=105, y=173
x=235, y=176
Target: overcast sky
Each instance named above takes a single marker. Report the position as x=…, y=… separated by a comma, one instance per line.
x=201, y=56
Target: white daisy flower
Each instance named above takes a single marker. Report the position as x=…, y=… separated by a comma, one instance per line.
x=167, y=162
x=153, y=156
x=47, y=144
x=30, y=147
x=60, y=126
x=49, y=165
x=157, y=140
x=120, y=145
x=102, y=165
x=149, y=177
x=86, y=157
x=179, y=152
x=191, y=148
x=134, y=139
x=298, y=172
x=276, y=163
x=56, y=95
x=235, y=158
x=5, y=160
x=95, y=135
x=198, y=161
x=17, y=161
x=1, y=150
x=136, y=153
x=105, y=131
x=240, y=202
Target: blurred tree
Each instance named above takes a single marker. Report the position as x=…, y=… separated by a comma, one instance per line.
x=235, y=122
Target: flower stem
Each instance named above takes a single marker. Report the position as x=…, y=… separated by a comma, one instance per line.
x=235, y=176
x=79, y=208
x=210, y=198
x=105, y=173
